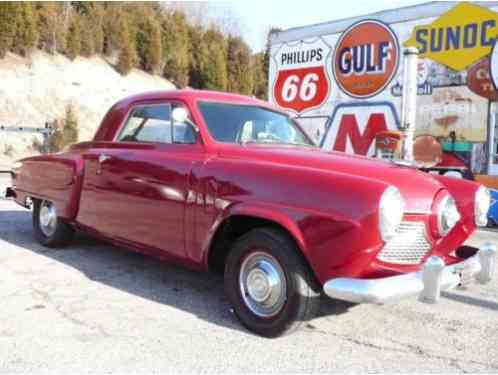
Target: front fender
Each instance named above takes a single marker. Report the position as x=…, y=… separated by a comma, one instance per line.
x=326, y=242
x=285, y=217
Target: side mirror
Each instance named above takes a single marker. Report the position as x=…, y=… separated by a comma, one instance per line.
x=179, y=114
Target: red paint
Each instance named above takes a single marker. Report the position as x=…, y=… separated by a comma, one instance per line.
x=451, y=160
x=301, y=89
x=361, y=142
x=169, y=200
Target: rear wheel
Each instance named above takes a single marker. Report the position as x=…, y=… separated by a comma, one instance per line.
x=50, y=229
x=269, y=284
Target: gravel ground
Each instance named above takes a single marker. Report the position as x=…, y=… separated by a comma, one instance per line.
x=96, y=308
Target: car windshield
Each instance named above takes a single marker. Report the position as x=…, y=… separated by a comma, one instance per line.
x=232, y=123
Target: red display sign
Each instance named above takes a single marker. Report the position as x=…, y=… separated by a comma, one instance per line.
x=301, y=89
x=479, y=80
x=366, y=59
x=361, y=142
x=354, y=126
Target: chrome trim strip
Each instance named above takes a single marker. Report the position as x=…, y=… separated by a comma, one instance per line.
x=418, y=212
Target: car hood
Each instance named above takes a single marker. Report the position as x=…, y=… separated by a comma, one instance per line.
x=418, y=188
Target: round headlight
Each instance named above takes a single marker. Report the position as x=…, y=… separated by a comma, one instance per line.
x=481, y=206
x=447, y=215
x=391, y=210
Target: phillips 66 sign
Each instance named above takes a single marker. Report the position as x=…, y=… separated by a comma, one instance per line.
x=302, y=82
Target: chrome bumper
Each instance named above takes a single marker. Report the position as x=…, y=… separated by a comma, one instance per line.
x=427, y=283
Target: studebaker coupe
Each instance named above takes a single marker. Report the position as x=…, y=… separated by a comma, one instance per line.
x=225, y=182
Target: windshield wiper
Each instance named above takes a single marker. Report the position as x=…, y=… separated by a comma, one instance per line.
x=271, y=141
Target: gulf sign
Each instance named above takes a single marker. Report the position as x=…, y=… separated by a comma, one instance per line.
x=458, y=38
x=366, y=58
x=301, y=82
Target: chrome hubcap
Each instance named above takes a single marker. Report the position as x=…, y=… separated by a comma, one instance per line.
x=262, y=284
x=48, y=218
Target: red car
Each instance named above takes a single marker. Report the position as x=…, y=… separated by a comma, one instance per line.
x=224, y=182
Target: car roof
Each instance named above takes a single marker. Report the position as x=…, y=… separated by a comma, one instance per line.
x=192, y=94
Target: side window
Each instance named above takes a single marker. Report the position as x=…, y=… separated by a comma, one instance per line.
x=152, y=123
x=148, y=124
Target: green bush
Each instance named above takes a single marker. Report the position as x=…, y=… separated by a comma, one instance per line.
x=65, y=131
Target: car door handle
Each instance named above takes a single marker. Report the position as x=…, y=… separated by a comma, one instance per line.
x=103, y=158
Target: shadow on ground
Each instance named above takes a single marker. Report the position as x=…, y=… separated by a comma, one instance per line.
x=197, y=293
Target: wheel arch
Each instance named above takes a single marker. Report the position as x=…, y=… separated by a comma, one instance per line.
x=239, y=220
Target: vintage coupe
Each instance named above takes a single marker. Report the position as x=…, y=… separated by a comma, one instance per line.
x=225, y=182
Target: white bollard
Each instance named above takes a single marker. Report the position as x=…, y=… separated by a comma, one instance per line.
x=487, y=258
x=431, y=276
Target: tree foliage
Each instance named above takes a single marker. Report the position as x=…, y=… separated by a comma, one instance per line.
x=240, y=71
x=175, y=48
x=65, y=132
x=8, y=26
x=154, y=36
x=26, y=30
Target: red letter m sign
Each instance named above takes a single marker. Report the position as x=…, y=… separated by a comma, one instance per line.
x=354, y=126
x=348, y=129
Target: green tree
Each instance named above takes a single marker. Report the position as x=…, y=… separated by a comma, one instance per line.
x=260, y=77
x=53, y=20
x=111, y=25
x=175, y=45
x=73, y=46
x=65, y=132
x=239, y=69
x=26, y=29
x=266, y=65
x=215, y=67
x=149, y=45
x=128, y=54
x=96, y=20
x=9, y=12
x=70, y=132
x=87, y=45
x=198, y=58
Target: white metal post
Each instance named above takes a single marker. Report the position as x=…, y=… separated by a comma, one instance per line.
x=409, y=101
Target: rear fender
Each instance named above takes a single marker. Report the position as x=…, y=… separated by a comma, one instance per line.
x=57, y=178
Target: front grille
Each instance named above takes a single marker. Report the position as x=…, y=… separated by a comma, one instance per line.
x=409, y=245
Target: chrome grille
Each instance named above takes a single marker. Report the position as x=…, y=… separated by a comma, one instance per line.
x=409, y=245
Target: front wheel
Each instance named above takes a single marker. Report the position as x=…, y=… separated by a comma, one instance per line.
x=268, y=283
x=50, y=229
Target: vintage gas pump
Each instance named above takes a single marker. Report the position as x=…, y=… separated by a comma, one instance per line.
x=388, y=144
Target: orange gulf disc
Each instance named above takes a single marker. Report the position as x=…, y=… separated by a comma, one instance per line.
x=366, y=59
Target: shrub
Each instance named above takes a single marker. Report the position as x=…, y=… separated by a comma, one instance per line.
x=65, y=131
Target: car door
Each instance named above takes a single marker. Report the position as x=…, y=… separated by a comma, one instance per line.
x=136, y=188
